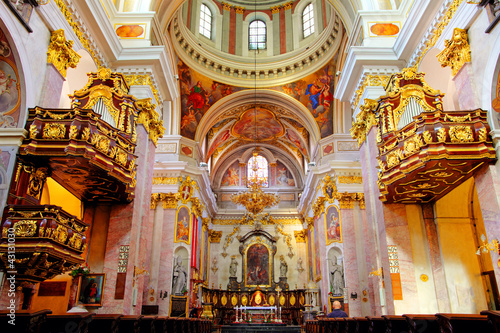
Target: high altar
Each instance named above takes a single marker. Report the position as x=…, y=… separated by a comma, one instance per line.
x=257, y=298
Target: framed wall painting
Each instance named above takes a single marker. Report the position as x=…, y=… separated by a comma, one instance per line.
x=257, y=265
x=183, y=225
x=90, y=290
x=333, y=225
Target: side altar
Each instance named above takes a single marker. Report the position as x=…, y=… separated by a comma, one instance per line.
x=257, y=296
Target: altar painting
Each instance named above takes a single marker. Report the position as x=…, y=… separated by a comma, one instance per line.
x=182, y=225
x=232, y=175
x=317, y=257
x=257, y=266
x=333, y=225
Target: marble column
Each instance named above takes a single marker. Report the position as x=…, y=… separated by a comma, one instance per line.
x=166, y=255
x=354, y=265
x=129, y=224
x=52, y=88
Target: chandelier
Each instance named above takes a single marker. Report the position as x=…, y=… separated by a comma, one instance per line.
x=255, y=200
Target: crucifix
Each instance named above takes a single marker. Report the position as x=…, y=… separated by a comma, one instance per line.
x=278, y=289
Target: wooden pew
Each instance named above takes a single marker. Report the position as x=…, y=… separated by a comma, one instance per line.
x=71, y=322
x=396, y=324
x=362, y=324
x=462, y=323
x=160, y=324
x=105, y=323
x=171, y=324
x=493, y=319
x=147, y=324
x=341, y=325
x=130, y=324
x=25, y=321
x=422, y=323
x=376, y=324
x=350, y=326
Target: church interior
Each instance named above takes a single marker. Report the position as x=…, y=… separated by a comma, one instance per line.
x=249, y=161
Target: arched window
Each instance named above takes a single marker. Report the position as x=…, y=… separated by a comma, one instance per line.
x=308, y=20
x=205, y=21
x=257, y=35
x=258, y=166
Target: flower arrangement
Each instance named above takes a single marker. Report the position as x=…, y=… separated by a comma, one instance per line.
x=83, y=269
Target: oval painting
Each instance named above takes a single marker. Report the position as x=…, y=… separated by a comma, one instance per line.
x=384, y=29
x=130, y=31
x=257, y=124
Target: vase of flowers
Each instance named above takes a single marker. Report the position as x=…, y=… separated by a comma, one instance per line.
x=76, y=273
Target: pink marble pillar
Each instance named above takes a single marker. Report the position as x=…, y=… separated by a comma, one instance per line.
x=488, y=192
x=351, y=272
x=129, y=224
x=243, y=174
x=166, y=259
x=467, y=98
x=436, y=260
x=52, y=88
x=376, y=242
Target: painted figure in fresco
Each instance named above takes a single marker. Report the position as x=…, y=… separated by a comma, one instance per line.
x=4, y=49
x=5, y=83
x=233, y=267
x=282, y=179
x=183, y=229
x=336, y=278
x=198, y=96
x=314, y=91
x=333, y=231
x=283, y=266
x=231, y=178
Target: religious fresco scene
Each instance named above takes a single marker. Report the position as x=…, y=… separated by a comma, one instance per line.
x=293, y=166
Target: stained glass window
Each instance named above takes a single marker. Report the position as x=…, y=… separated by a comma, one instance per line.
x=261, y=171
x=308, y=20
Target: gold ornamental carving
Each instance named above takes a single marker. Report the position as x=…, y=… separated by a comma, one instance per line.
x=150, y=119
x=155, y=197
x=36, y=180
x=319, y=206
x=169, y=200
x=186, y=189
x=33, y=131
x=370, y=81
x=427, y=137
x=53, y=131
x=164, y=180
x=365, y=120
x=310, y=223
x=456, y=52
x=214, y=236
x=413, y=145
x=441, y=134
x=197, y=207
x=239, y=10
x=461, y=134
x=26, y=228
x=347, y=200
x=329, y=189
x=350, y=180
x=300, y=236
x=482, y=134
x=61, y=53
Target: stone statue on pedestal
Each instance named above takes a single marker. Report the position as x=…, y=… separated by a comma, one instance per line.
x=180, y=277
x=233, y=267
x=283, y=266
x=336, y=278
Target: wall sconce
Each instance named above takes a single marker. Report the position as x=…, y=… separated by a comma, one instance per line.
x=491, y=246
x=354, y=295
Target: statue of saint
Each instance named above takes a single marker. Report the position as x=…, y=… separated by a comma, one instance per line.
x=233, y=267
x=336, y=278
x=180, y=277
x=283, y=266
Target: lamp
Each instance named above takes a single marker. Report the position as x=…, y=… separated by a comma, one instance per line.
x=255, y=200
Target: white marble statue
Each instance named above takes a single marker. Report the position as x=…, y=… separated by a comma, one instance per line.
x=180, y=277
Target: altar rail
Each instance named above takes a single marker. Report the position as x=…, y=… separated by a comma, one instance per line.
x=291, y=303
x=44, y=322
x=486, y=322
